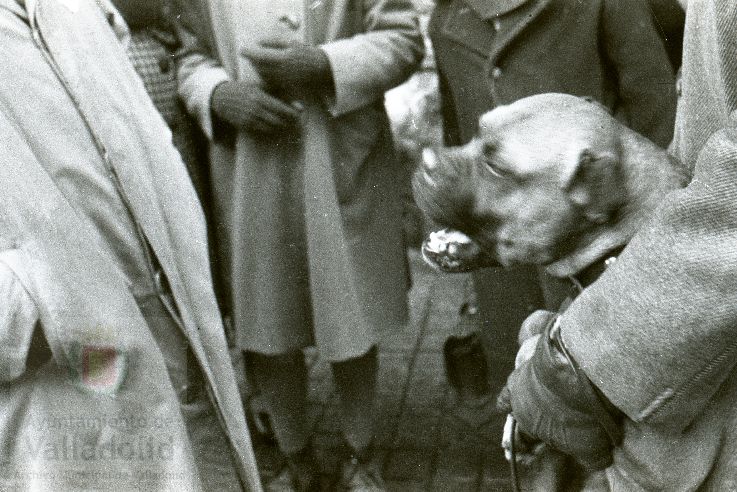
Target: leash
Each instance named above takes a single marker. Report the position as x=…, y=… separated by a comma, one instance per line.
x=579, y=283
x=513, y=458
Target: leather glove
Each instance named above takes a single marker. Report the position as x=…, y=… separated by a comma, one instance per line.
x=248, y=107
x=297, y=70
x=554, y=402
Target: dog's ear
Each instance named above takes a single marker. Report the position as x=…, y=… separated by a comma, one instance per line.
x=597, y=185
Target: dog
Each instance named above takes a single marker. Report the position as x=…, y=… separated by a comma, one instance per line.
x=551, y=180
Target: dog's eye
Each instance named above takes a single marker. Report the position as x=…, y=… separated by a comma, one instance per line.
x=491, y=167
x=488, y=157
x=494, y=169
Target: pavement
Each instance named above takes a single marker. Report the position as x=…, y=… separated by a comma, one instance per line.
x=426, y=440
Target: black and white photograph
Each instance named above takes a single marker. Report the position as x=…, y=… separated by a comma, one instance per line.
x=368, y=245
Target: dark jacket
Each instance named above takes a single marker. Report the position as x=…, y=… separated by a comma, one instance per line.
x=494, y=53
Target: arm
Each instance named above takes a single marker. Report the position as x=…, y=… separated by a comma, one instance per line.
x=657, y=334
x=221, y=104
x=198, y=74
x=644, y=76
x=368, y=64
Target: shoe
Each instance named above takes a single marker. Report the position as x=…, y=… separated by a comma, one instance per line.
x=299, y=475
x=283, y=482
x=360, y=476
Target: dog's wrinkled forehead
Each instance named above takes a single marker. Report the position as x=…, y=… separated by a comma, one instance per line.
x=535, y=126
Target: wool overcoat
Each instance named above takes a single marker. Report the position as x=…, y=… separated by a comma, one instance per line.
x=310, y=220
x=97, y=409
x=657, y=333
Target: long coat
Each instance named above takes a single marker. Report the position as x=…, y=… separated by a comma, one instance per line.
x=658, y=332
x=99, y=411
x=313, y=219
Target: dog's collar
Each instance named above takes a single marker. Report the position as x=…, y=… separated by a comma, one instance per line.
x=588, y=275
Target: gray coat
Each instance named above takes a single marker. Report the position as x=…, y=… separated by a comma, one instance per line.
x=312, y=221
x=658, y=332
x=105, y=369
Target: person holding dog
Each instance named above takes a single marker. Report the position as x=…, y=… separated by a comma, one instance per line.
x=492, y=53
x=637, y=379
x=308, y=189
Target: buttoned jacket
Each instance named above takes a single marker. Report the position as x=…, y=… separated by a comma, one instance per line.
x=491, y=53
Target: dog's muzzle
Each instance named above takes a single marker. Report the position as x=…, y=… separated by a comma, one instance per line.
x=451, y=251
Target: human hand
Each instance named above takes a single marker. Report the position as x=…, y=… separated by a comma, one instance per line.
x=552, y=404
x=296, y=69
x=526, y=448
x=248, y=107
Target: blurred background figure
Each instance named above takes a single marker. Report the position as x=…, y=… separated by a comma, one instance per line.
x=414, y=113
x=308, y=198
x=155, y=43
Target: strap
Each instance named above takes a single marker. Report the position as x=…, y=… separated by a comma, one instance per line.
x=588, y=390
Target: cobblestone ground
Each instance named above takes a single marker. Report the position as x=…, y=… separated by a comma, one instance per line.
x=425, y=439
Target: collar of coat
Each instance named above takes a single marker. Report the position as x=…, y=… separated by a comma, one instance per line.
x=26, y=10
x=489, y=9
x=15, y=6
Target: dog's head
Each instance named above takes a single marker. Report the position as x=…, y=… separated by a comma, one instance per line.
x=540, y=173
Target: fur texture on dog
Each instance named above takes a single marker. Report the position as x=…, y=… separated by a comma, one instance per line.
x=552, y=180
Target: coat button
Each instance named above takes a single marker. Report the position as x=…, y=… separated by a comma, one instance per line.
x=496, y=72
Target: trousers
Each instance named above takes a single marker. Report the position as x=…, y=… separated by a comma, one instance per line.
x=282, y=383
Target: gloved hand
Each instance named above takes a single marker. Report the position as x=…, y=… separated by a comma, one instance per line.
x=248, y=107
x=297, y=70
x=553, y=404
x=527, y=449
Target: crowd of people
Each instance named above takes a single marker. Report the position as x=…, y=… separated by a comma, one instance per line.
x=170, y=164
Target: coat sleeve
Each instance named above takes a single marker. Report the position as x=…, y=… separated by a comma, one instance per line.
x=644, y=75
x=381, y=57
x=198, y=74
x=18, y=318
x=657, y=334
